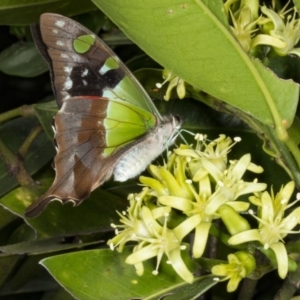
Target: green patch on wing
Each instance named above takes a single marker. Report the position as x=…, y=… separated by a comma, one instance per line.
x=129, y=90
x=124, y=123
x=83, y=43
x=109, y=64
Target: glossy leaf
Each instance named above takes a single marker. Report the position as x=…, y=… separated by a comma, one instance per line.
x=5, y=217
x=22, y=59
x=59, y=294
x=42, y=246
x=7, y=264
x=59, y=220
x=45, y=112
x=24, y=233
x=102, y=274
x=40, y=152
x=213, y=61
x=25, y=12
x=297, y=4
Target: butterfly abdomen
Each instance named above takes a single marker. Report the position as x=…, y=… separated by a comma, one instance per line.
x=145, y=150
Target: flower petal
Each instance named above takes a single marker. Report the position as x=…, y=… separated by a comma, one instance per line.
x=200, y=239
x=250, y=187
x=141, y=255
x=238, y=205
x=288, y=190
x=172, y=184
x=233, y=283
x=154, y=184
x=179, y=266
x=176, y=202
x=281, y=257
x=244, y=237
x=267, y=211
x=241, y=166
x=234, y=222
x=186, y=226
x=265, y=39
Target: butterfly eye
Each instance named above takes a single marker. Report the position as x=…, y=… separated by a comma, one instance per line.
x=177, y=121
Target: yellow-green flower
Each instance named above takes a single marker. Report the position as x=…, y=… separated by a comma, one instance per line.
x=175, y=81
x=244, y=25
x=154, y=240
x=281, y=34
x=200, y=195
x=230, y=185
x=133, y=227
x=215, y=151
x=273, y=226
x=240, y=265
x=162, y=241
x=232, y=220
x=195, y=186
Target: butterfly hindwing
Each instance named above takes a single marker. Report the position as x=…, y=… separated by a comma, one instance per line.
x=90, y=141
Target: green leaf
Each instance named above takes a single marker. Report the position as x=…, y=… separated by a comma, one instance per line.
x=198, y=47
x=25, y=12
x=102, y=274
x=43, y=246
x=45, y=112
x=22, y=59
x=22, y=234
x=40, y=152
x=297, y=4
x=7, y=264
x=59, y=294
x=5, y=217
x=66, y=220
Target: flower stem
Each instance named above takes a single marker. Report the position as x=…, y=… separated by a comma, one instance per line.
x=289, y=286
x=24, y=110
x=247, y=289
x=28, y=141
x=14, y=165
x=284, y=150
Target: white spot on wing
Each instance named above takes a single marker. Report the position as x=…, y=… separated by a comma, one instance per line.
x=68, y=69
x=64, y=95
x=55, y=31
x=59, y=43
x=63, y=55
x=60, y=23
x=84, y=82
x=85, y=72
x=107, y=93
x=103, y=69
x=68, y=84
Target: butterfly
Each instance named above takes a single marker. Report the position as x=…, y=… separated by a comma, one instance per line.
x=106, y=124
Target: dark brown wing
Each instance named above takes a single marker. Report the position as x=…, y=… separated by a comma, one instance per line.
x=79, y=163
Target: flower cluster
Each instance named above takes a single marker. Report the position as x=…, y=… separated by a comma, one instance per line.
x=279, y=30
x=240, y=264
x=196, y=186
x=273, y=226
x=174, y=82
x=252, y=26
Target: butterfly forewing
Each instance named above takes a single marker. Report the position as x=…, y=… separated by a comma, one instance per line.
x=93, y=70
